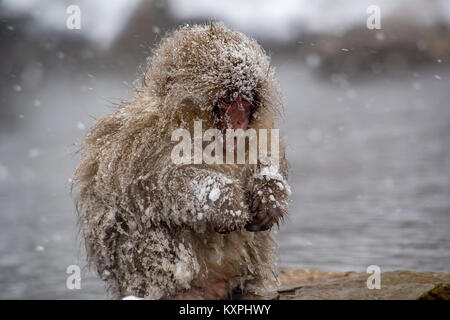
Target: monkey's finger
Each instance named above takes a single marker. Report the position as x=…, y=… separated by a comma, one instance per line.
x=272, y=216
x=258, y=222
x=255, y=204
x=224, y=231
x=267, y=221
x=259, y=216
x=276, y=213
x=254, y=227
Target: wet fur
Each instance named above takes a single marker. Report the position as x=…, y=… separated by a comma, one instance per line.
x=139, y=212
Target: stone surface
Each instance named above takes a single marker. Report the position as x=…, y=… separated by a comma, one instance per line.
x=304, y=284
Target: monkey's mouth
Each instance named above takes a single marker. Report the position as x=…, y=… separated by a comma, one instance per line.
x=234, y=113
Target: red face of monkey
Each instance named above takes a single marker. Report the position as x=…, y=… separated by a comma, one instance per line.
x=234, y=113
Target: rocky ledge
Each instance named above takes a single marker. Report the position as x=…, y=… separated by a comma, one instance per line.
x=303, y=284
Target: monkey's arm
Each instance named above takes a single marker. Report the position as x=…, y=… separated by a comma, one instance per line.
x=269, y=195
x=200, y=197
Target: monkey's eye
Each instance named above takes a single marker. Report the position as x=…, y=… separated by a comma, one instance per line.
x=226, y=100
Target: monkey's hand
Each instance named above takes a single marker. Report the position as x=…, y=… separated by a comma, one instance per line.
x=268, y=203
x=201, y=197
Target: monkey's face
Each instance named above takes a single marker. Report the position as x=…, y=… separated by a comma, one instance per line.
x=234, y=112
x=216, y=74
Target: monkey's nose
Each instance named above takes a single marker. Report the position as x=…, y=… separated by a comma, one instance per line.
x=240, y=124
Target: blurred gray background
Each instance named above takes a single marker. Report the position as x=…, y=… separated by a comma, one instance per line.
x=367, y=124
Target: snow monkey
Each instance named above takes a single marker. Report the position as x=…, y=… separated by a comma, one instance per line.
x=163, y=230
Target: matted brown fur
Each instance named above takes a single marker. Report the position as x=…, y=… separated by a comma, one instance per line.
x=149, y=226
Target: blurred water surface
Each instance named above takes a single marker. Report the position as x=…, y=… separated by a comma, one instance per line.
x=370, y=171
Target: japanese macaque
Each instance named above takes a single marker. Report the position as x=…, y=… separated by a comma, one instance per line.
x=163, y=230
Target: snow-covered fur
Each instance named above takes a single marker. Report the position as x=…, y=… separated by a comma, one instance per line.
x=156, y=229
